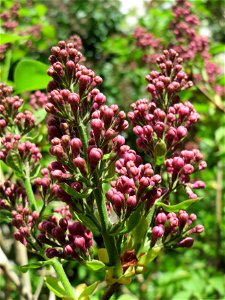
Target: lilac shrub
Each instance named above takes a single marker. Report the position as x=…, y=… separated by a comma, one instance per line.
x=110, y=191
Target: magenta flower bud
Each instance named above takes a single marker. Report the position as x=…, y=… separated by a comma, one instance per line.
x=157, y=232
x=171, y=134
x=75, y=145
x=63, y=223
x=181, y=132
x=132, y=201
x=94, y=156
x=100, y=99
x=84, y=81
x=198, y=229
x=171, y=88
x=198, y=185
x=79, y=242
x=51, y=252
x=76, y=228
x=159, y=86
x=188, y=169
x=193, y=217
x=186, y=243
x=156, y=178
x=151, y=88
x=173, y=222
x=80, y=163
x=97, y=125
x=68, y=250
x=202, y=165
x=119, y=140
x=178, y=163
x=161, y=218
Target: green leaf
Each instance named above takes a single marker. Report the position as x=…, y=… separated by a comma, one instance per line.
x=87, y=221
x=34, y=173
x=40, y=115
x=175, y=208
x=72, y=192
x=184, y=295
x=127, y=297
x=30, y=75
x=218, y=283
x=55, y=286
x=11, y=38
x=36, y=265
x=131, y=222
x=13, y=160
x=95, y=265
x=40, y=9
x=217, y=48
x=88, y=290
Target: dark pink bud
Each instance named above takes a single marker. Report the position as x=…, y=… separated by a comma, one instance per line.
x=198, y=185
x=68, y=249
x=181, y=132
x=157, y=232
x=177, y=162
x=79, y=242
x=188, y=169
x=94, y=156
x=75, y=145
x=51, y=252
x=186, y=243
x=161, y=218
x=132, y=201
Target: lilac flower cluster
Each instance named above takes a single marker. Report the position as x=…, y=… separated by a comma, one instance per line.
x=174, y=229
x=28, y=151
x=38, y=99
x=9, y=114
x=184, y=28
x=163, y=123
x=10, y=193
x=67, y=238
x=13, y=199
x=136, y=182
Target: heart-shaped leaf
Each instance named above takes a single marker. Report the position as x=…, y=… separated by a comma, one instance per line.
x=30, y=75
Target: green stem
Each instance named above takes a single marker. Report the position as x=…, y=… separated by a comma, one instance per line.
x=109, y=241
x=29, y=191
x=63, y=278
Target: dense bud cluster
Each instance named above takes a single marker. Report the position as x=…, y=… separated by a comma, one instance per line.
x=184, y=28
x=38, y=99
x=145, y=39
x=9, y=112
x=24, y=219
x=174, y=229
x=136, y=182
x=67, y=72
x=67, y=238
x=163, y=123
x=10, y=193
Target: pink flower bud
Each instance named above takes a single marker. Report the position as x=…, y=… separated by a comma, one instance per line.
x=186, y=243
x=94, y=156
x=181, y=132
x=157, y=232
